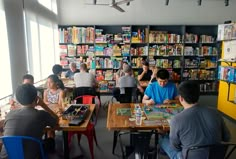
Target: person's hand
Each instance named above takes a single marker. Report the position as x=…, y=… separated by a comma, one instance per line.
x=40, y=102
x=12, y=102
x=149, y=102
x=167, y=101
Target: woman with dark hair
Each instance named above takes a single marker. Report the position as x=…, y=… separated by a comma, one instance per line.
x=53, y=94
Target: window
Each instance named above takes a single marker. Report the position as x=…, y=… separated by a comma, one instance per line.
x=5, y=67
x=41, y=40
x=49, y=4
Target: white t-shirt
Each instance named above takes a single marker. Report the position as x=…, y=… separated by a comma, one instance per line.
x=84, y=79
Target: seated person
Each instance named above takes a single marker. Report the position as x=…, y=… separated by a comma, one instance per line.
x=53, y=94
x=73, y=69
x=28, y=121
x=118, y=75
x=83, y=78
x=196, y=125
x=145, y=74
x=162, y=91
x=26, y=79
x=57, y=70
x=128, y=81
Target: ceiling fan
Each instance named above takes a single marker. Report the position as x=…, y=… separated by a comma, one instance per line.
x=113, y=4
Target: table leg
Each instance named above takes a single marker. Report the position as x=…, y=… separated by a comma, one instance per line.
x=115, y=136
x=66, y=146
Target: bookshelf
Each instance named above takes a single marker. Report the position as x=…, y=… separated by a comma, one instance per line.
x=227, y=70
x=188, y=52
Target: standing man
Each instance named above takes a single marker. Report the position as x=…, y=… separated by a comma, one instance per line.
x=162, y=91
x=196, y=125
x=145, y=74
x=73, y=69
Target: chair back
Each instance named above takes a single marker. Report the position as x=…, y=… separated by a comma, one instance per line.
x=216, y=151
x=140, y=141
x=127, y=95
x=15, y=148
x=79, y=91
x=89, y=99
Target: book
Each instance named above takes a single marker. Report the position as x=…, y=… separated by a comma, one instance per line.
x=71, y=50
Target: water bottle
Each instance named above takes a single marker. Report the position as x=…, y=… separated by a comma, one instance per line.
x=138, y=116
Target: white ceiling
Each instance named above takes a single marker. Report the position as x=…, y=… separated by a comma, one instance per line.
x=75, y=12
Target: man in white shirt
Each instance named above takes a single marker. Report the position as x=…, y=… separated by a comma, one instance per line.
x=83, y=78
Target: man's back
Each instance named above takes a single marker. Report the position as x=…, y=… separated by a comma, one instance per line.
x=28, y=121
x=197, y=126
x=84, y=79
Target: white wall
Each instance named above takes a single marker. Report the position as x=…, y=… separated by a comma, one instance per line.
x=147, y=12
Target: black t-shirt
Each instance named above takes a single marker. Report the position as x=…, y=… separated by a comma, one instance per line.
x=147, y=76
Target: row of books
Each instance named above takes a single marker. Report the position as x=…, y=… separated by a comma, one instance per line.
x=166, y=50
x=123, y=37
x=202, y=51
x=76, y=35
x=106, y=86
x=227, y=73
x=226, y=31
x=104, y=75
x=167, y=63
x=65, y=61
x=163, y=37
x=201, y=74
x=76, y=50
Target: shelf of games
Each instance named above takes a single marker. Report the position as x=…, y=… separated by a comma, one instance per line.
x=189, y=52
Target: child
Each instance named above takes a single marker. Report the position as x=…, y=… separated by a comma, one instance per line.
x=53, y=94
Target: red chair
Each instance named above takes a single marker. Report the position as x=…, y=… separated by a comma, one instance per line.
x=90, y=131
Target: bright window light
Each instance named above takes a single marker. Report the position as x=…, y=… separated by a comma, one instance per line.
x=46, y=3
x=5, y=66
x=46, y=49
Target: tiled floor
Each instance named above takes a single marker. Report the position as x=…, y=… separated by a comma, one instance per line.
x=105, y=139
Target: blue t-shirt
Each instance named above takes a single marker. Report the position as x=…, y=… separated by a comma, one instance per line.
x=158, y=94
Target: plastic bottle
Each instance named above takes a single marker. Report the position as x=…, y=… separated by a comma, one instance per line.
x=138, y=117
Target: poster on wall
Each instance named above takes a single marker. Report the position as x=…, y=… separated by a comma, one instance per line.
x=230, y=50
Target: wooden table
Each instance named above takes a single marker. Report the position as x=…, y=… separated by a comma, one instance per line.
x=120, y=122
x=64, y=126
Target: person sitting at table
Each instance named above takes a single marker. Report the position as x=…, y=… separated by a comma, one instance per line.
x=53, y=94
x=73, y=69
x=120, y=73
x=84, y=78
x=128, y=81
x=145, y=74
x=57, y=70
x=27, y=78
x=85, y=82
x=28, y=121
x=162, y=91
x=196, y=125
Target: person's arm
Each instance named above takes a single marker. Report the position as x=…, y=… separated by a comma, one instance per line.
x=61, y=98
x=174, y=135
x=139, y=87
x=175, y=97
x=45, y=97
x=46, y=108
x=147, y=101
x=141, y=75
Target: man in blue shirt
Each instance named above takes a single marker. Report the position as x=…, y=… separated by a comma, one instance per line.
x=162, y=91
